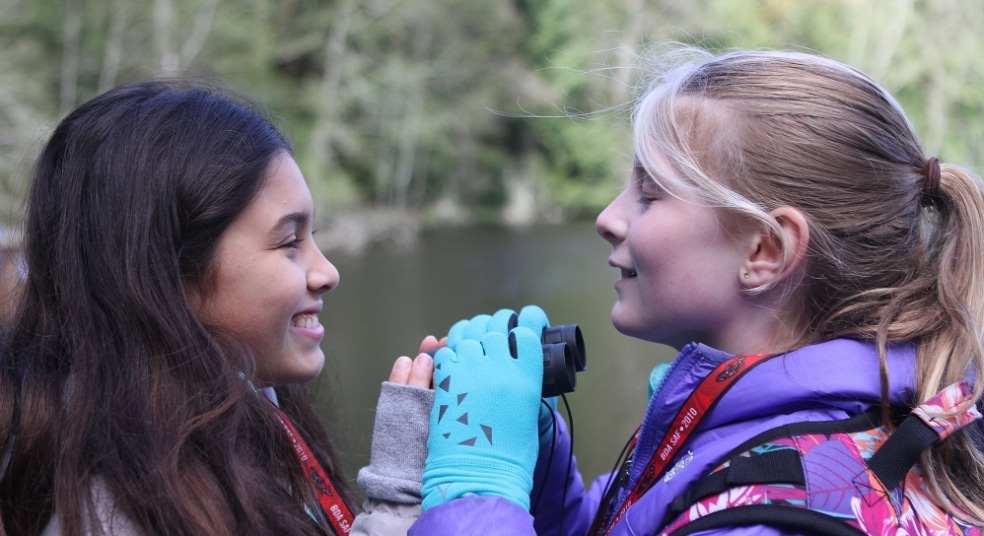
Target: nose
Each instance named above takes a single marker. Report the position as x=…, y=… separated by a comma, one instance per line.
x=611, y=224
x=322, y=276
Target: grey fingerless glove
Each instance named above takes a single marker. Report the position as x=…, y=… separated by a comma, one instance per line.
x=399, y=444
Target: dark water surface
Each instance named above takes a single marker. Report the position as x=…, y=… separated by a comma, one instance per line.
x=389, y=298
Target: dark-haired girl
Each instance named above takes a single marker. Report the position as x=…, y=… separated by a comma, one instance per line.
x=151, y=379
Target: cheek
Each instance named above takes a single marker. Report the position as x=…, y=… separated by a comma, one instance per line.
x=646, y=247
x=244, y=309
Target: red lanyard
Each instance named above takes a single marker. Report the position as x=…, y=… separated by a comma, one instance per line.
x=694, y=409
x=338, y=513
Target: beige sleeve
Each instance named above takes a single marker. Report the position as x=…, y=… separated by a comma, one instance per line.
x=383, y=518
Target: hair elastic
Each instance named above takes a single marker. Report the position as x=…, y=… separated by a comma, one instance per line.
x=932, y=189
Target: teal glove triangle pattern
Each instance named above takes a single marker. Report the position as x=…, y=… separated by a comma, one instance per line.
x=484, y=434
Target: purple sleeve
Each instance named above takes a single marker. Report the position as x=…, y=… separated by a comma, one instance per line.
x=474, y=515
x=559, y=502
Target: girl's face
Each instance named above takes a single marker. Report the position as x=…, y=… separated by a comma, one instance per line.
x=680, y=266
x=269, y=276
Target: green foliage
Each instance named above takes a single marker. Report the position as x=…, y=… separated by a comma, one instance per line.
x=432, y=104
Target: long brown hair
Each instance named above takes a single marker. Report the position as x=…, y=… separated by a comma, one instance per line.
x=890, y=257
x=107, y=375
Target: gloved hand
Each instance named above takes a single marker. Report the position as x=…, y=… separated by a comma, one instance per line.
x=502, y=321
x=530, y=316
x=483, y=427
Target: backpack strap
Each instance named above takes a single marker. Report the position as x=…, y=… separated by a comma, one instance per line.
x=901, y=451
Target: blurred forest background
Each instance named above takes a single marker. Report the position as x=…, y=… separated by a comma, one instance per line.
x=409, y=113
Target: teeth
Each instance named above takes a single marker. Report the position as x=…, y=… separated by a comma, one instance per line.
x=628, y=273
x=305, y=321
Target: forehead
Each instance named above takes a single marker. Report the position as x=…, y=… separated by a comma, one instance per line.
x=284, y=188
x=654, y=169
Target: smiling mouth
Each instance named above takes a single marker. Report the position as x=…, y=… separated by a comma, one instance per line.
x=306, y=321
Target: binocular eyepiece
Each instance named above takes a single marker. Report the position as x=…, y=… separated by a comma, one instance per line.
x=563, y=357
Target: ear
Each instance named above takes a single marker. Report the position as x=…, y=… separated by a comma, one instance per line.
x=772, y=258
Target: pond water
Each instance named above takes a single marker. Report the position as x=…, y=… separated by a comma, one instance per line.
x=390, y=297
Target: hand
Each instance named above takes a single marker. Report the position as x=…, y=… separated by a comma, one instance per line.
x=483, y=426
x=399, y=439
x=530, y=316
x=502, y=321
x=418, y=372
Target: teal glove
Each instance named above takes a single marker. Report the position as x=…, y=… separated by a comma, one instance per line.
x=502, y=321
x=483, y=427
x=530, y=316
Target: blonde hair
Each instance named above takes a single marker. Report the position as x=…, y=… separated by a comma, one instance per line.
x=888, y=259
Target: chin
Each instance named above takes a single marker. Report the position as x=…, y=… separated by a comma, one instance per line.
x=301, y=372
x=627, y=328
x=312, y=373
x=647, y=333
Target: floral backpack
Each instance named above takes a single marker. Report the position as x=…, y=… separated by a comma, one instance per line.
x=847, y=477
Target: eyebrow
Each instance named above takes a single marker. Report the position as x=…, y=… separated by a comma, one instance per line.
x=297, y=218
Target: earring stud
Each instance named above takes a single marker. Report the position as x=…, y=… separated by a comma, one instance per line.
x=746, y=275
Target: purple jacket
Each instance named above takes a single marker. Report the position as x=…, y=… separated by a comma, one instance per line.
x=827, y=381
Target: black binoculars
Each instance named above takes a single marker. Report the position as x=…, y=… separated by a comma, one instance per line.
x=563, y=357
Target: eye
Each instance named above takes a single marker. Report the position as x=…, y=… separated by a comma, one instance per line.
x=293, y=242
x=644, y=185
x=648, y=190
